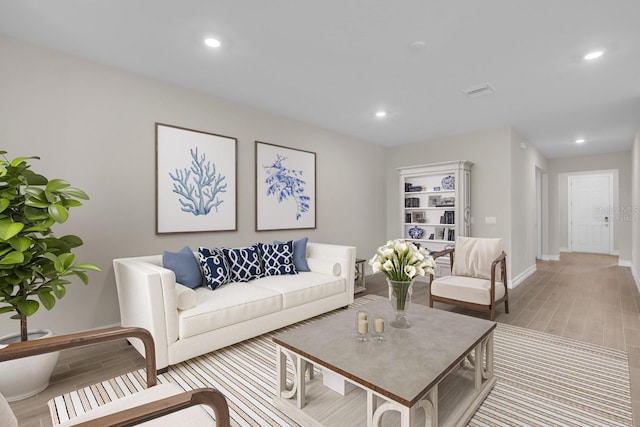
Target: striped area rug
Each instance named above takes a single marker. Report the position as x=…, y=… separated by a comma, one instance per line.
x=542, y=380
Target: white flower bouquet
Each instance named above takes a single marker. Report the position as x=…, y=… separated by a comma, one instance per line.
x=402, y=261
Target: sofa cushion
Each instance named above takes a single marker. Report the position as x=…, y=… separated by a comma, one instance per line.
x=277, y=258
x=470, y=289
x=299, y=254
x=228, y=305
x=244, y=262
x=324, y=266
x=215, y=267
x=185, y=266
x=304, y=287
x=185, y=297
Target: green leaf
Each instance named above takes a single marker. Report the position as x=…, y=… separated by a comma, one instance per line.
x=18, y=160
x=9, y=229
x=57, y=185
x=46, y=299
x=87, y=266
x=36, y=179
x=28, y=307
x=4, y=204
x=12, y=258
x=59, y=290
x=67, y=260
x=82, y=276
x=20, y=244
x=6, y=309
x=76, y=192
x=71, y=203
x=58, y=212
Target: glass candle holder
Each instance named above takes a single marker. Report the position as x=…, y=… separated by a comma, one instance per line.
x=362, y=325
x=379, y=326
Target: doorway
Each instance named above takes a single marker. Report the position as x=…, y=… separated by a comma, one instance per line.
x=590, y=204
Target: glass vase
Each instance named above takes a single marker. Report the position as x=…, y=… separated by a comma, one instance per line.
x=400, y=299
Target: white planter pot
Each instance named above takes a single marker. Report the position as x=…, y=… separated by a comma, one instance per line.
x=22, y=378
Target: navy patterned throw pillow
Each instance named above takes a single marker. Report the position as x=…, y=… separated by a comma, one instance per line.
x=277, y=258
x=214, y=266
x=245, y=263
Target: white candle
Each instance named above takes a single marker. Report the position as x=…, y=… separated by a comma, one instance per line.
x=379, y=325
x=362, y=315
x=363, y=326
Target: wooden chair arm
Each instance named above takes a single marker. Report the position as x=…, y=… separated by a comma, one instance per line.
x=149, y=411
x=443, y=252
x=80, y=339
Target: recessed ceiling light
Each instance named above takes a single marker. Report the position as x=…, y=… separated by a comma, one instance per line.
x=381, y=113
x=417, y=45
x=593, y=55
x=580, y=141
x=211, y=42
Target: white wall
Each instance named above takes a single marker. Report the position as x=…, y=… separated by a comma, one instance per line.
x=559, y=171
x=635, y=203
x=94, y=126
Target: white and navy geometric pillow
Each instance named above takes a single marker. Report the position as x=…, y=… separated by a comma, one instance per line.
x=277, y=258
x=244, y=262
x=215, y=267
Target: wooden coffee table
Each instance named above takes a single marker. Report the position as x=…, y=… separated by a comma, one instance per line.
x=442, y=365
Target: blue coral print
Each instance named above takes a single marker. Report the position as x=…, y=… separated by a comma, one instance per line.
x=198, y=187
x=286, y=184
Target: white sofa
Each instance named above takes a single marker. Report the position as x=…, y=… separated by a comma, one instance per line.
x=149, y=298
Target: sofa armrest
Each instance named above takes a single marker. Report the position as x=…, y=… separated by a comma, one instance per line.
x=146, y=296
x=344, y=255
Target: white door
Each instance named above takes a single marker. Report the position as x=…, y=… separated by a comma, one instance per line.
x=590, y=203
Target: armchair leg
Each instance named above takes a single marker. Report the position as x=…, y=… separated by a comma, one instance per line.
x=430, y=301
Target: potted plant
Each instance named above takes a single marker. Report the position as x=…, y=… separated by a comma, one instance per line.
x=35, y=265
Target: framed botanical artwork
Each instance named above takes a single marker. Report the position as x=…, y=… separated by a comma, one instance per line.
x=195, y=181
x=285, y=188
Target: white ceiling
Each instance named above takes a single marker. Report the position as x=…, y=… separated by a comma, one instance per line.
x=333, y=63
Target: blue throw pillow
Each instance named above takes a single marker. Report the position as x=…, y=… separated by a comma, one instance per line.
x=300, y=254
x=185, y=266
x=277, y=259
x=215, y=267
x=245, y=263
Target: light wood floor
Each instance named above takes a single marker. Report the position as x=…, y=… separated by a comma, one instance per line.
x=583, y=296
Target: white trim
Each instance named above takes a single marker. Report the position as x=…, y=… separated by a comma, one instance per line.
x=521, y=277
x=614, y=253
x=565, y=250
x=624, y=262
x=555, y=257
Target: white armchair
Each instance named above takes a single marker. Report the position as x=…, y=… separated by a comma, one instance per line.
x=475, y=281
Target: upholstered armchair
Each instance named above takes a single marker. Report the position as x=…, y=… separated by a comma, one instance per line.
x=158, y=404
x=478, y=277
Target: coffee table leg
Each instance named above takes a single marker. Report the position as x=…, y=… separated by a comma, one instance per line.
x=299, y=371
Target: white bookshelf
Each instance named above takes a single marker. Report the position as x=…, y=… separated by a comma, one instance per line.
x=435, y=201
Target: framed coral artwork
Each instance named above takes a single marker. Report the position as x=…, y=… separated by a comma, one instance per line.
x=195, y=181
x=285, y=188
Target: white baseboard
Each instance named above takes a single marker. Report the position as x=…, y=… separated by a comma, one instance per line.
x=521, y=277
x=616, y=253
x=624, y=262
x=565, y=250
x=555, y=257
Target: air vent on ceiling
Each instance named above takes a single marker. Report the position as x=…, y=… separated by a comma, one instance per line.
x=478, y=91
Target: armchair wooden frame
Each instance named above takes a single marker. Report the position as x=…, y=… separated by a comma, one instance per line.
x=139, y=414
x=491, y=308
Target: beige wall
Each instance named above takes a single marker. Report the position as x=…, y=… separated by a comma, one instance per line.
x=559, y=171
x=525, y=159
x=94, y=126
x=635, y=203
x=490, y=196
